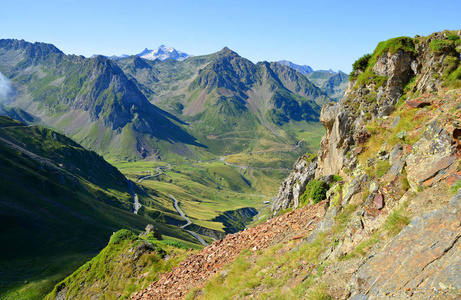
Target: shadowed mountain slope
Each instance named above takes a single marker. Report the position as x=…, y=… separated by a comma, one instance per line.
x=90, y=99
x=59, y=204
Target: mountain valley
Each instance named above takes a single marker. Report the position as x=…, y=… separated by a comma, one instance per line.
x=177, y=129
x=176, y=180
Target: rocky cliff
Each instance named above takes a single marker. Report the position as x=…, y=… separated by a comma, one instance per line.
x=393, y=142
x=403, y=73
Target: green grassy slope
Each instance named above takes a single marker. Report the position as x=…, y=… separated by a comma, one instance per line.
x=59, y=203
x=204, y=190
x=127, y=264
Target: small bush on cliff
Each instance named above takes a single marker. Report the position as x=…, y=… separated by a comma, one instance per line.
x=440, y=46
x=360, y=64
x=455, y=187
x=393, y=45
x=316, y=191
x=453, y=37
x=450, y=63
x=454, y=79
x=337, y=178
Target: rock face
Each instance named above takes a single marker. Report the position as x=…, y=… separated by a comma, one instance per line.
x=424, y=260
x=397, y=67
x=392, y=156
x=331, y=154
x=432, y=158
x=394, y=68
x=295, y=185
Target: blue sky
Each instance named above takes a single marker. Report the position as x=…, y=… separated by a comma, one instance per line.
x=322, y=34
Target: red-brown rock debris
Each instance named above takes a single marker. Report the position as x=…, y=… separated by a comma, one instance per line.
x=198, y=268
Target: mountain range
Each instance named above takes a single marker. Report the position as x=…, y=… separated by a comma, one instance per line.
x=303, y=69
x=134, y=108
x=332, y=83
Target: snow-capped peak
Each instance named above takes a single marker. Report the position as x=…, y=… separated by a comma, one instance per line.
x=163, y=53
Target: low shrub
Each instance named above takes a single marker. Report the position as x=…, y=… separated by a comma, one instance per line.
x=337, y=178
x=455, y=187
x=396, y=221
x=360, y=64
x=453, y=37
x=441, y=46
x=316, y=191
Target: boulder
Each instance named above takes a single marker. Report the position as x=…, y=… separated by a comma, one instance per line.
x=352, y=187
x=396, y=154
x=152, y=229
x=379, y=201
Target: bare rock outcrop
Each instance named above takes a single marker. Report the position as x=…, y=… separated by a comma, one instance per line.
x=432, y=158
x=295, y=184
x=422, y=261
x=406, y=65
x=336, y=139
x=415, y=166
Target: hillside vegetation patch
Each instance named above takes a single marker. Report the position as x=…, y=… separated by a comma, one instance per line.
x=128, y=263
x=363, y=67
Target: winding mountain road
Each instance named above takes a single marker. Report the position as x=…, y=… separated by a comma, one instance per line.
x=136, y=205
x=195, y=235
x=158, y=170
x=176, y=206
x=198, y=237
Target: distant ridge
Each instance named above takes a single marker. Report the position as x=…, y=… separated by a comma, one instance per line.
x=330, y=82
x=305, y=70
